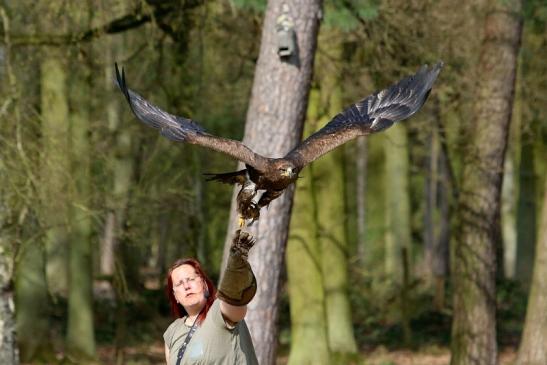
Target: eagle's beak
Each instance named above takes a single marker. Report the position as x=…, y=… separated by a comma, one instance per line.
x=288, y=172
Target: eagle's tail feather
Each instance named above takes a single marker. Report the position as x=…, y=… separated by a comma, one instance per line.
x=235, y=177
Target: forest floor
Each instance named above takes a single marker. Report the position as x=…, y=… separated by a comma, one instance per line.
x=153, y=354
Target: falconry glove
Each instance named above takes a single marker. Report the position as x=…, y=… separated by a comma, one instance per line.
x=238, y=284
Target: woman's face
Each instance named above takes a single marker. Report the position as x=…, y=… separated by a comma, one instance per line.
x=189, y=288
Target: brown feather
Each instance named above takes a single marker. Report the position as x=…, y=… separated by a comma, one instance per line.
x=373, y=114
x=186, y=130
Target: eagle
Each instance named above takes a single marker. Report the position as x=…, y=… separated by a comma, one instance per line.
x=272, y=176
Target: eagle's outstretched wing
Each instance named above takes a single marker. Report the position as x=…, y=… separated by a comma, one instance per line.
x=372, y=114
x=185, y=130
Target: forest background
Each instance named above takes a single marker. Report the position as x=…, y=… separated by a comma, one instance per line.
x=426, y=239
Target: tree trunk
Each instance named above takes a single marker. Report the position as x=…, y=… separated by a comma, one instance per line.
x=329, y=186
x=533, y=346
x=431, y=194
x=8, y=346
x=474, y=265
x=55, y=164
x=309, y=341
x=360, y=197
x=80, y=339
x=526, y=212
x=508, y=202
x=31, y=288
x=397, y=201
x=8, y=341
x=274, y=126
x=442, y=243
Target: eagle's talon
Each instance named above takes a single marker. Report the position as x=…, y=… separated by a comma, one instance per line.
x=241, y=222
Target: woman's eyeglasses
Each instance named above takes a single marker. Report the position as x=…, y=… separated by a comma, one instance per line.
x=189, y=281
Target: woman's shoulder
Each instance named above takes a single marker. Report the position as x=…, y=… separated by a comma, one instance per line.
x=177, y=322
x=172, y=329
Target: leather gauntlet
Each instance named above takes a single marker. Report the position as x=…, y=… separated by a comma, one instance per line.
x=238, y=284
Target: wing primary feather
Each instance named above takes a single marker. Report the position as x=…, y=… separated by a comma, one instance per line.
x=373, y=114
x=183, y=129
x=171, y=126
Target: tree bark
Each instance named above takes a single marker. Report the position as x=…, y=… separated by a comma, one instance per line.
x=8, y=345
x=533, y=346
x=274, y=126
x=8, y=341
x=474, y=265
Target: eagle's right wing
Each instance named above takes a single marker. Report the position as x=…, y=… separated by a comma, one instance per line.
x=373, y=114
x=186, y=130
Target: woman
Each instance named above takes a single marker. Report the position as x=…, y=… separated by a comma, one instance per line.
x=209, y=328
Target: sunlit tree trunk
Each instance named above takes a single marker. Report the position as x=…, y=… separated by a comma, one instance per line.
x=309, y=341
x=533, y=346
x=474, y=261
x=360, y=196
x=121, y=167
x=431, y=195
x=80, y=339
x=397, y=200
x=55, y=167
x=274, y=126
x=329, y=184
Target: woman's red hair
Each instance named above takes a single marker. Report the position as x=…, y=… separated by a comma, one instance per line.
x=177, y=309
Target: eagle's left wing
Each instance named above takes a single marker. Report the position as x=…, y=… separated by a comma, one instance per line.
x=186, y=130
x=375, y=113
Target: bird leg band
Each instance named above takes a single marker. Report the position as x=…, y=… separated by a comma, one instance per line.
x=238, y=284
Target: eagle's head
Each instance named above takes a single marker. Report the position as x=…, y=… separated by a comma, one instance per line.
x=288, y=172
x=286, y=169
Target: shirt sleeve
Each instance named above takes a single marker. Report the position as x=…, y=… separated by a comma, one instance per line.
x=169, y=333
x=218, y=318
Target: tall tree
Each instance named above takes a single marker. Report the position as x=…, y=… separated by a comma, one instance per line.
x=329, y=186
x=8, y=346
x=80, y=339
x=526, y=211
x=474, y=260
x=533, y=346
x=309, y=340
x=55, y=166
x=274, y=126
x=397, y=201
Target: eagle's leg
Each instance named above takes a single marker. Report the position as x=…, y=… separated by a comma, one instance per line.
x=246, y=207
x=268, y=196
